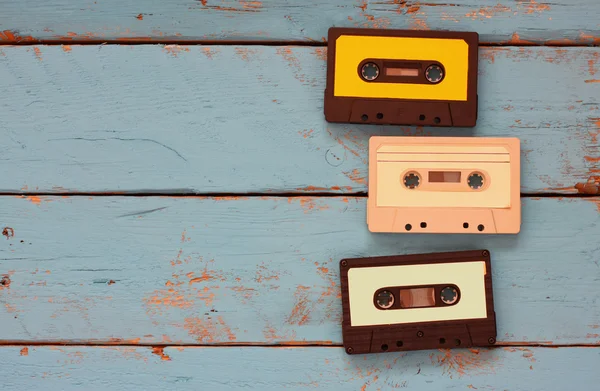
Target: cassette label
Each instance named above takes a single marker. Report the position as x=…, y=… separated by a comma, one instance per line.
x=444, y=185
x=415, y=302
x=365, y=281
x=379, y=51
x=402, y=77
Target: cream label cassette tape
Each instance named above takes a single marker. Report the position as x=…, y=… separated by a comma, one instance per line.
x=444, y=185
x=401, y=77
x=421, y=301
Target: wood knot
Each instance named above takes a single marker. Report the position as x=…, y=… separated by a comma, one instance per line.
x=8, y=232
x=5, y=281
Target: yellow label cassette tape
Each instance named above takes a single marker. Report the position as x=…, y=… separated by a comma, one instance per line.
x=444, y=185
x=401, y=77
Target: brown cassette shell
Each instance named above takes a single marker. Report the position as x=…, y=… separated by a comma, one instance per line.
x=402, y=111
x=422, y=335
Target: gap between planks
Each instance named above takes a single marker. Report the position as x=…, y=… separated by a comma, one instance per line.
x=323, y=344
x=179, y=194
x=177, y=41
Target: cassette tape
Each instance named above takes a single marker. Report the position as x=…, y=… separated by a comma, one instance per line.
x=444, y=185
x=415, y=302
x=402, y=77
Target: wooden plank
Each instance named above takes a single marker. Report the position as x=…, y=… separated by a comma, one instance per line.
x=263, y=270
x=504, y=21
x=130, y=368
x=225, y=119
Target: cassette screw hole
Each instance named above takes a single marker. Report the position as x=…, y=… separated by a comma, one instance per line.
x=437, y=120
x=480, y=227
x=344, y=263
x=384, y=347
x=465, y=225
x=423, y=224
x=399, y=344
x=364, y=117
x=349, y=350
x=475, y=181
x=420, y=334
x=449, y=295
x=442, y=340
x=384, y=300
x=379, y=115
x=491, y=340
x=457, y=342
x=408, y=227
x=422, y=117
x=369, y=71
x=434, y=74
x=412, y=180
x=485, y=253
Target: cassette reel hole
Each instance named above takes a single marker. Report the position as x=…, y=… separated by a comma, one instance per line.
x=434, y=74
x=423, y=224
x=475, y=181
x=480, y=227
x=364, y=117
x=449, y=295
x=422, y=117
x=379, y=115
x=465, y=225
x=408, y=227
x=412, y=180
x=384, y=347
x=457, y=342
x=399, y=344
x=437, y=120
x=384, y=300
x=369, y=71
x=442, y=341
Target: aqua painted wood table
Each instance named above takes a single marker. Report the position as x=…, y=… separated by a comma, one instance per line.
x=174, y=205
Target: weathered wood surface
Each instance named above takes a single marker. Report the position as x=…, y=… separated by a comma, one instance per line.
x=130, y=368
x=223, y=119
x=497, y=21
x=263, y=270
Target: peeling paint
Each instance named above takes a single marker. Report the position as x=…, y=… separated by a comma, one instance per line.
x=174, y=50
x=488, y=12
x=38, y=53
x=372, y=21
x=294, y=63
x=332, y=188
x=300, y=312
x=471, y=361
x=8, y=36
x=516, y=40
x=246, y=54
x=210, y=52
x=321, y=53
x=263, y=274
x=24, y=351
x=532, y=6
x=355, y=176
x=309, y=204
x=209, y=329
x=306, y=133
x=160, y=351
